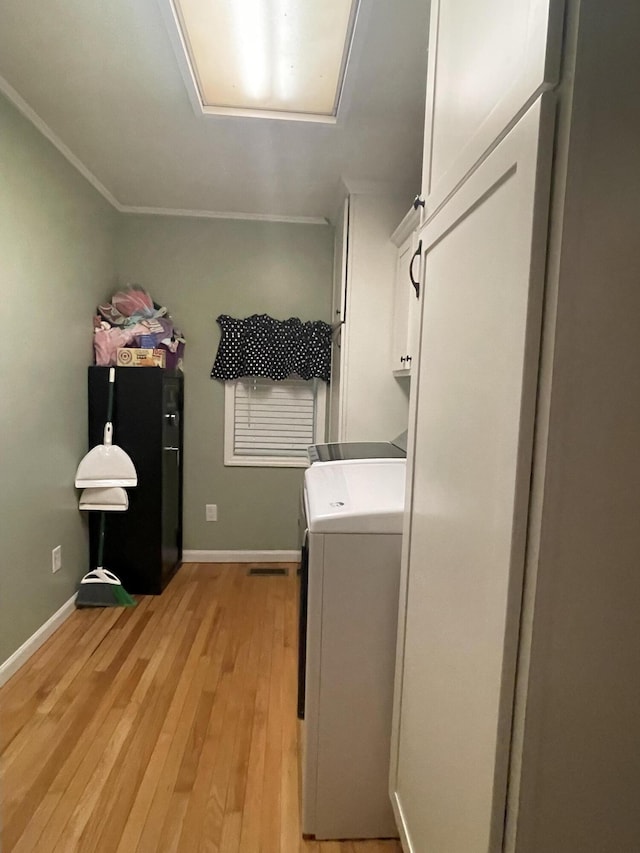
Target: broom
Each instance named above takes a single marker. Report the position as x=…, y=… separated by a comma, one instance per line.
x=100, y=587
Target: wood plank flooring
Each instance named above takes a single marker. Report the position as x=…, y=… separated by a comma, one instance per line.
x=166, y=727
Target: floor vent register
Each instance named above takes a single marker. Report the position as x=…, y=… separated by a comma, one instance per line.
x=267, y=571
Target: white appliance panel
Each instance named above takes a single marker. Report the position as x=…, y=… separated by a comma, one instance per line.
x=351, y=631
x=355, y=496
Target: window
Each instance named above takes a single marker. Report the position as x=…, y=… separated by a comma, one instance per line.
x=272, y=423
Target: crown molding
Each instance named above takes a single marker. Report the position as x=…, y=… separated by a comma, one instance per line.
x=31, y=115
x=215, y=214
x=409, y=224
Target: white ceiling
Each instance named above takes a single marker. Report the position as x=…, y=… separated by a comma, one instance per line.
x=103, y=77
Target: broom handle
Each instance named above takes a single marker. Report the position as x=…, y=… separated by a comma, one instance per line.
x=112, y=382
x=108, y=427
x=103, y=518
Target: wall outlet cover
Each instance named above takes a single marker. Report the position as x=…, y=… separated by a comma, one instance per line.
x=56, y=559
x=211, y=512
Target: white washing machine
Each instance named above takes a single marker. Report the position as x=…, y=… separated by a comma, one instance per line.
x=354, y=514
x=337, y=451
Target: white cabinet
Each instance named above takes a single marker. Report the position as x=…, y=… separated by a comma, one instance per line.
x=470, y=492
x=487, y=61
x=516, y=724
x=406, y=300
x=366, y=403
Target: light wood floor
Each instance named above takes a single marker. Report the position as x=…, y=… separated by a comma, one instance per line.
x=167, y=727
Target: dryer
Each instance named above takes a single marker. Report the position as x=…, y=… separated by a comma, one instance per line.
x=336, y=451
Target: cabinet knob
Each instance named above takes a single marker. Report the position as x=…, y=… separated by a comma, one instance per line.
x=418, y=202
x=408, y=359
x=402, y=359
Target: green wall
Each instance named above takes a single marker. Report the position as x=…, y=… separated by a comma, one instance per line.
x=63, y=249
x=56, y=263
x=200, y=268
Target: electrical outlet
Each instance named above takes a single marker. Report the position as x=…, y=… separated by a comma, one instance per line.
x=56, y=559
x=211, y=512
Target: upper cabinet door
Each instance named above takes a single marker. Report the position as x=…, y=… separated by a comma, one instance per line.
x=488, y=61
x=406, y=308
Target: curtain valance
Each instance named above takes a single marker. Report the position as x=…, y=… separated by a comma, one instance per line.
x=262, y=346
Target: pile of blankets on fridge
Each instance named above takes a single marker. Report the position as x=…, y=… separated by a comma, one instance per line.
x=133, y=319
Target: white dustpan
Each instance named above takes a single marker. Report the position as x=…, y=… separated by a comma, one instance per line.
x=112, y=499
x=106, y=464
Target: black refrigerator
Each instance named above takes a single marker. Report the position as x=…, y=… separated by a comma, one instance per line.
x=143, y=545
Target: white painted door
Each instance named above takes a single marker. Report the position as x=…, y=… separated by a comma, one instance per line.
x=487, y=62
x=461, y=586
x=401, y=357
x=338, y=313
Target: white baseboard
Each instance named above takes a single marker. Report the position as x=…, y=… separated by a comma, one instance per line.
x=240, y=556
x=30, y=646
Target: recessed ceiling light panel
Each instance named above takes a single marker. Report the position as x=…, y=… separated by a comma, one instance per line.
x=278, y=58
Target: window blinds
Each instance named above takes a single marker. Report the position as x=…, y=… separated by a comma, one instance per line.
x=273, y=419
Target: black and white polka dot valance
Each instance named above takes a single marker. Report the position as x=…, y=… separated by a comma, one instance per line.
x=261, y=346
